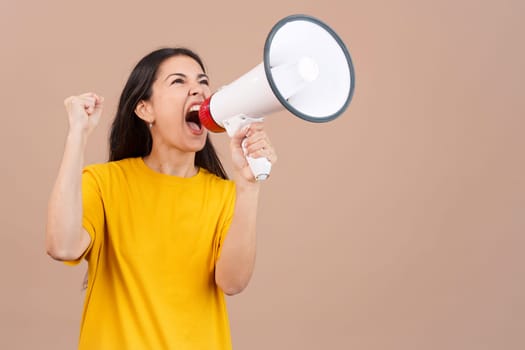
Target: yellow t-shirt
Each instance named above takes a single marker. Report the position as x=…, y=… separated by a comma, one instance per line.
x=155, y=239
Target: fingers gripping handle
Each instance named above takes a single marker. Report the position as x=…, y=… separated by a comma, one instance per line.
x=260, y=167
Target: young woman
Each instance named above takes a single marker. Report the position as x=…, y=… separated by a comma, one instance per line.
x=164, y=232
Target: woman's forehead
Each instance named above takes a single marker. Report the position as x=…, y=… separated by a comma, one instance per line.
x=180, y=64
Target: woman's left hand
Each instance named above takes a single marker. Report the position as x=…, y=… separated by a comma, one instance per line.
x=256, y=145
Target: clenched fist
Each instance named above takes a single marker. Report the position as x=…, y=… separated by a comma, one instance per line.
x=84, y=112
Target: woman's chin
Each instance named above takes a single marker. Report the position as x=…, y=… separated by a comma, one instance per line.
x=197, y=146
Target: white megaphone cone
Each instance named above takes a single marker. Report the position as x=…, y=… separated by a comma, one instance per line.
x=306, y=69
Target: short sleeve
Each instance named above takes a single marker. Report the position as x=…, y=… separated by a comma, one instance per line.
x=225, y=218
x=93, y=218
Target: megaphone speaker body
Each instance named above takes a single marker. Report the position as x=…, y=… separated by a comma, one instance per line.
x=306, y=69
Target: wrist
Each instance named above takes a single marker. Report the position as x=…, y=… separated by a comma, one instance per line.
x=245, y=186
x=77, y=136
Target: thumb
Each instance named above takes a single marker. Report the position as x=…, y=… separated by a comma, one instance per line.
x=239, y=136
x=99, y=100
x=96, y=106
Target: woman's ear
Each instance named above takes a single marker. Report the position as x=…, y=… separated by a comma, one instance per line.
x=143, y=112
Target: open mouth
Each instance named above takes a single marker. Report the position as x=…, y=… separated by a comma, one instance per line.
x=192, y=118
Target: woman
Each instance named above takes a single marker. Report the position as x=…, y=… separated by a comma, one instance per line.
x=164, y=232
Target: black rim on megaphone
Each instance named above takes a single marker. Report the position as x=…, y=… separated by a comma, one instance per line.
x=273, y=86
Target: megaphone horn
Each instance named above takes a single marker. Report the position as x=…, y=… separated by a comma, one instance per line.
x=306, y=69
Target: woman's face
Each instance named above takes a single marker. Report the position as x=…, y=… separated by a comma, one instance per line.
x=179, y=89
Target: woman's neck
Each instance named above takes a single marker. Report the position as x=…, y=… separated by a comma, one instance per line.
x=174, y=162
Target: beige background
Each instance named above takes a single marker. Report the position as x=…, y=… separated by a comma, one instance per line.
x=398, y=226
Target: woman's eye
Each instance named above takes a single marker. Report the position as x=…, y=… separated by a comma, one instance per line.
x=205, y=82
x=177, y=81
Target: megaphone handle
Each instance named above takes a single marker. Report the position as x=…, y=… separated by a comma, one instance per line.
x=260, y=167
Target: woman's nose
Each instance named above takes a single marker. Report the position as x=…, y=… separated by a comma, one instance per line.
x=196, y=89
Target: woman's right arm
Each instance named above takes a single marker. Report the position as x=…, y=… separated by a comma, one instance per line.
x=65, y=237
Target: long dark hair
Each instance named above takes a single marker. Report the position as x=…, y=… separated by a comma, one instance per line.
x=130, y=136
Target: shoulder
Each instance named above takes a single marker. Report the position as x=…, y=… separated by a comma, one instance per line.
x=218, y=183
x=215, y=179
x=109, y=169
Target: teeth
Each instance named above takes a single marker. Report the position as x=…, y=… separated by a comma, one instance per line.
x=195, y=108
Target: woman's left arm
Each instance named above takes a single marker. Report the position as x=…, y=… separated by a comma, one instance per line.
x=235, y=265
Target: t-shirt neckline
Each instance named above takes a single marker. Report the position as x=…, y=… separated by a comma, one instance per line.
x=165, y=177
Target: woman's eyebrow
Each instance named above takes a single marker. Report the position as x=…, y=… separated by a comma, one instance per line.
x=182, y=75
x=178, y=74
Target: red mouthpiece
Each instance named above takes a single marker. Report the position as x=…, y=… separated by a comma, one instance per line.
x=206, y=118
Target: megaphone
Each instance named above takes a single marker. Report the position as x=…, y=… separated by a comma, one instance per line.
x=306, y=69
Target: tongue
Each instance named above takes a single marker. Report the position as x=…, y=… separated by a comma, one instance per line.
x=194, y=126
